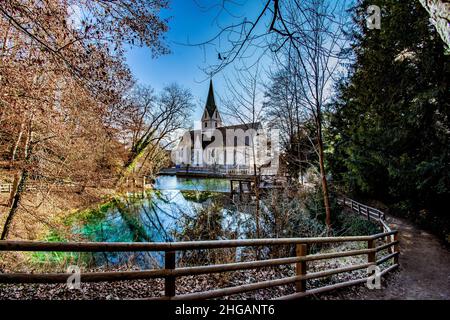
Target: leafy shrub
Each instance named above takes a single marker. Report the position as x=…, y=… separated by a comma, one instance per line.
x=349, y=224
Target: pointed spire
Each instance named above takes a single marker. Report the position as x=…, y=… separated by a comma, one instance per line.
x=210, y=102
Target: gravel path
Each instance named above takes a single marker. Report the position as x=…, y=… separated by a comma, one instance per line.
x=424, y=272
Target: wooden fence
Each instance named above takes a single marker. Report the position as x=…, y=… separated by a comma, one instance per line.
x=361, y=209
x=5, y=187
x=59, y=186
x=375, y=251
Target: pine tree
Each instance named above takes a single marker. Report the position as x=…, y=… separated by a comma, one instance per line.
x=390, y=130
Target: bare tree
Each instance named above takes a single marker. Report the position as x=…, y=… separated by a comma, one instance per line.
x=243, y=104
x=309, y=34
x=315, y=29
x=150, y=123
x=284, y=111
x=89, y=32
x=61, y=77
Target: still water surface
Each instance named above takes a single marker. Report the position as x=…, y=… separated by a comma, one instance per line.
x=156, y=215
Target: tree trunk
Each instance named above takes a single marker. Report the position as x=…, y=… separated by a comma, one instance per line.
x=18, y=186
x=16, y=195
x=257, y=196
x=16, y=146
x=15, y=184
x=326, y=198
x=257, y=209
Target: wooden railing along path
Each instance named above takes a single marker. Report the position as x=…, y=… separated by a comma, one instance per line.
x=361, y=209
x=5, y=187
x=389, y=242
x=60, y=186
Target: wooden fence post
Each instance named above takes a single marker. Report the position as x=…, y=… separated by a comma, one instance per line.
x=169, y=282
x=231, y=189
x=300, y=267
x=371, y=256
x=241, y=190
x=396, y=248
x=386, y=240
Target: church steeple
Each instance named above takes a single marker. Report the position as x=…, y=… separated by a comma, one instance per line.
x=210, y=102
x=211, y=118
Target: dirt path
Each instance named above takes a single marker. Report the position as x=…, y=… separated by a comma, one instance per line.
x=424, y=269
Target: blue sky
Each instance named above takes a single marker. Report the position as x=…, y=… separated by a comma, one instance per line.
x=191, y=21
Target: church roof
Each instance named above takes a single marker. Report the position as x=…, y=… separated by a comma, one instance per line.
x=210, y=102
x=245, y=126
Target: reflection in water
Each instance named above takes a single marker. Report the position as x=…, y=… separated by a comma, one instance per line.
x=192, y=184
x=153, y=216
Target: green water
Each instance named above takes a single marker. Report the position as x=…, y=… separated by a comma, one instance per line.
x=157, y=215
x=192, y=184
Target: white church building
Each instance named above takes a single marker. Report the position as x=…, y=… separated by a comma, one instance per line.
x=234, y=149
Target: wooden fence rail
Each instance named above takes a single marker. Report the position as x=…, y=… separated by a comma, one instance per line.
x=377, y=245
x=369, y=212
x=5, y=187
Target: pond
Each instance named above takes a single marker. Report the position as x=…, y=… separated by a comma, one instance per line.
x=192, y=184
x=172, y=211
